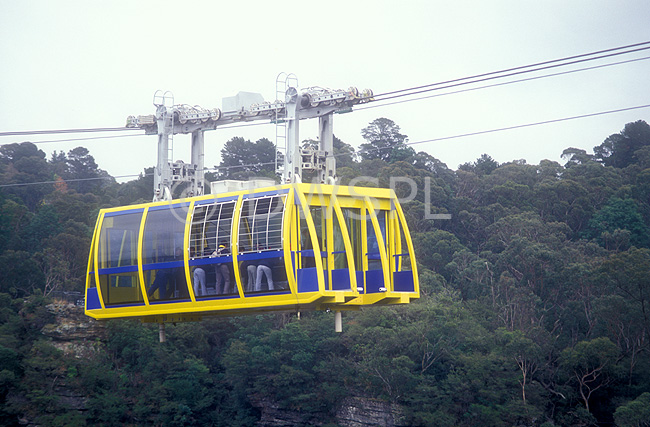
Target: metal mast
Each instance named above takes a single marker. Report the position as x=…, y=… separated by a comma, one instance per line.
x=314, y=102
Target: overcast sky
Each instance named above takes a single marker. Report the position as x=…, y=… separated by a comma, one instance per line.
x=88, y=64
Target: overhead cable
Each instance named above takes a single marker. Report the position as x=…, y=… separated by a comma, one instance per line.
x=368, y=106
x=461, y=83
x=22, y=184
x=545, y=122
x=428, y=87
x=78, y=139
x=444, y=138
x=53, y=131
x=522, y=67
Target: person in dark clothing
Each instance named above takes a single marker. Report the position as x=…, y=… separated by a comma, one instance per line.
x=165, y=277
x=222, y=271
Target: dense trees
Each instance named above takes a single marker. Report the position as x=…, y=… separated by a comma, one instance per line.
x=535, y=305
x=625, y=148
x=243, y=159
x=385, y=142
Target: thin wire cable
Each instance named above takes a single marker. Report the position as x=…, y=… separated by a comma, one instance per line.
x=518, y=68
x=103, y=137
x=503, y=75
x=444, y=138
x=77, y=139
x=411, y=91
x=22, y=184
x=242, y=125
x=49, y=132
x=374, y=106
x=366, y=107
x=545, y=122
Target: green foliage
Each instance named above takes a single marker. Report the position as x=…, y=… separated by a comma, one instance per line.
x=243, y=159
x=635, y=413
x=24, y=163
x=384, y=142
x=614, y=219
x=534, y=307
x=620, y=150
x=137, y=191
x=81, y=168
x=484, y=165
x=43, y=225
x=20, y=273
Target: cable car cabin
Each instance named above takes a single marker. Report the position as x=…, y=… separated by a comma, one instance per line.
x=289, y=247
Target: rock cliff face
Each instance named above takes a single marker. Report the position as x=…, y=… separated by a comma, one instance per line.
x=361, y=411
x=271, y=415
x=353, y=412
x=73, y=332
x=79, y=336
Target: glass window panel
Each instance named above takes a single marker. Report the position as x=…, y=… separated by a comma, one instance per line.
x=306, y=244
x=211, y=227
x=264, y=275
x=120, y=288
x=214, y=279
x=119, y=240
x=374, y=257
x=338, y=250
x=318, y=215
x=163, y=243
x=90, y=280
x=224, y=228
x=166, y=283
x=260, y=224
x=163, y=235
x=246, y=226
x=353, y=223
x=404, y=257
x=197, y=231
x=118, y=244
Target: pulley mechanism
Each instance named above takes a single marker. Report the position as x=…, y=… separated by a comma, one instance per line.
x=313, y=102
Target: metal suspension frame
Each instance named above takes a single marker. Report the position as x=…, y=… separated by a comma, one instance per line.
x=286, y=112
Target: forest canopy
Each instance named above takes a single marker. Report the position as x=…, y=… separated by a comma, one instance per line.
x=535, y=305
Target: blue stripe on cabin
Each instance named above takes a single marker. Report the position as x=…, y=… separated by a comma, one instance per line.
x=403, y=281
x=341, y=279
x=92, y=299
x=210, y=261
x=174, y=301
x=169, y=206
x=307, y=280
x=118, y=270
x=161, y=265
x=374, y=281
x=260, y=255
x=126, y=212
x=265, y=193
x=216, y=199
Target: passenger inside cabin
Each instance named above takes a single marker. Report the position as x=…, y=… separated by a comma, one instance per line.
x=222, y=272
x=265, y=267
x=251, y=269
x=199, y=277
x=168, y=280
x=256, y=273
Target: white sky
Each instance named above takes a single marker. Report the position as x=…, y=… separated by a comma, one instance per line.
x=86, y=64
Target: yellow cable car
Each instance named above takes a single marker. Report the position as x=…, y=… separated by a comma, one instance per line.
x=288, y=247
